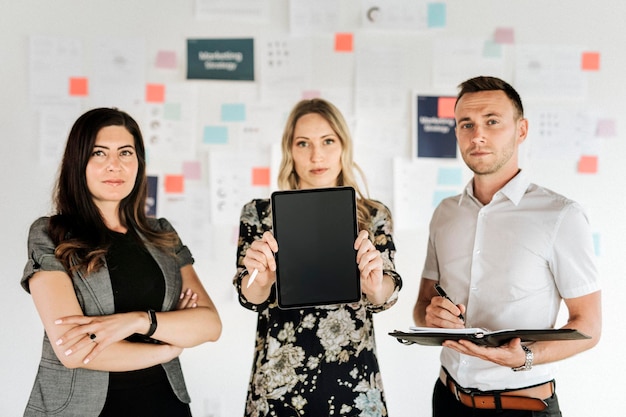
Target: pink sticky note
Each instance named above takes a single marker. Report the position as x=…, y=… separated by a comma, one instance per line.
x=155, y=93
x=309, y=94
x=174, y=184
x=261, y=176
x=79, y=86
x=166, y=60
x=590, y=61
x=588, y=164
x=445, y=107
x=504, y=35
x=192, y=170
x=606, y=128
x=343, y=42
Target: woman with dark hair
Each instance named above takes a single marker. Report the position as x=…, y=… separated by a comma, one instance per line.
x=316, y=361
x=116, y=291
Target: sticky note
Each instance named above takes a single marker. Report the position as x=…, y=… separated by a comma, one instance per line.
x=174, y=184
x=79, y=86
x=449, y=176
x=445, y=107
x=172, y=111
x=166, y=60
x=590, y=61
x=439, y=195
x=261, y=176
x=235, y=112
x=215, y=135
x=192, y=170
x=492, y=49
x=588, y=164
x=343, y=42
x=606, y=128
x=436, y=15
x=155, y=93
x=504, y=36
x=310, y=94
x=596, y=243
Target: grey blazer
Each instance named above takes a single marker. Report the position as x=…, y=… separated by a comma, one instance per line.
x=59, y=391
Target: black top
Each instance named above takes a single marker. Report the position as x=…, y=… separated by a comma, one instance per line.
x=138, y=285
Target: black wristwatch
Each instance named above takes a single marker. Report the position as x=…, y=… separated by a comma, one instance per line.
x=153, y=322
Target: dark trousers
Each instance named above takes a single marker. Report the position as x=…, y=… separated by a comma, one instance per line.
x=446, y=405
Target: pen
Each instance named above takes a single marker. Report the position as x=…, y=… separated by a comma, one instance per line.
x=252, y=277
x=442, y=293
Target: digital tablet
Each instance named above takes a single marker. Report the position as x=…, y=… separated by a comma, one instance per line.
x=316, y=260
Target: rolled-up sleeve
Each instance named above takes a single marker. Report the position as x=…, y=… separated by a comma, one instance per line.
x=40, y=252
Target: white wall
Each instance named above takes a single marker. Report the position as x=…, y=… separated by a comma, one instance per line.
x=217, y=373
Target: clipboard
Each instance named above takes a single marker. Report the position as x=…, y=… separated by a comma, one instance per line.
x=316, y=260
x=428, y=336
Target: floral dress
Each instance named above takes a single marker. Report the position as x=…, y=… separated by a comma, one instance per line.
x=316, y=361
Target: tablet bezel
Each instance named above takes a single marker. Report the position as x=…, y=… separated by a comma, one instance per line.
x=291, y=226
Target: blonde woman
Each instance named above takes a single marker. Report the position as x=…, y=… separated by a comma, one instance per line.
x=316, y=361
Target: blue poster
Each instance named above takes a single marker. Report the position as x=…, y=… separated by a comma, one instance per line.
x=434, y=121
x=220, y=59
x=151, y=200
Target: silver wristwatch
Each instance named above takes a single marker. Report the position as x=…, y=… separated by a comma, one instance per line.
x=528, y=364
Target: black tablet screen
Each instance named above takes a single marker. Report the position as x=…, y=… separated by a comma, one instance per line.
x=316, y=260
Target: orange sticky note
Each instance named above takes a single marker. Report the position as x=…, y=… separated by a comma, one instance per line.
x=261, y=176
x=590, y=61
x=174, y=184
x=588, y=164
x=155, y=93
x=343, y=42
x=79, y=86
x=445, y=107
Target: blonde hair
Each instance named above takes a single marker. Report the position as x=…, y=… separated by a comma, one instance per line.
x=288, y=178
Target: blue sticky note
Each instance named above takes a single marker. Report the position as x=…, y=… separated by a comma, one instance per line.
x=215, y=135
x=233, y=112
x=492, y=49
x=436, y=15
x=172, y=111
x=449, y=176
x=439, y=195
x=596, y=243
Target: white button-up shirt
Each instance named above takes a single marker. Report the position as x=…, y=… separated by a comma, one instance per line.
x=510, y=262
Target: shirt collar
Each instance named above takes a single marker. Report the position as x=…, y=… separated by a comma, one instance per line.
x=514, y=190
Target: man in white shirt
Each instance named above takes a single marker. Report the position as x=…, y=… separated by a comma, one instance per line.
x=507, y=251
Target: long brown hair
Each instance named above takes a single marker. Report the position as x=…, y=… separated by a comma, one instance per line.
x=288, y=178
x=77, y=228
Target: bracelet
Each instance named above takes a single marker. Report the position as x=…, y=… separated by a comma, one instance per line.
x=528, y=363
x=153, y=322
